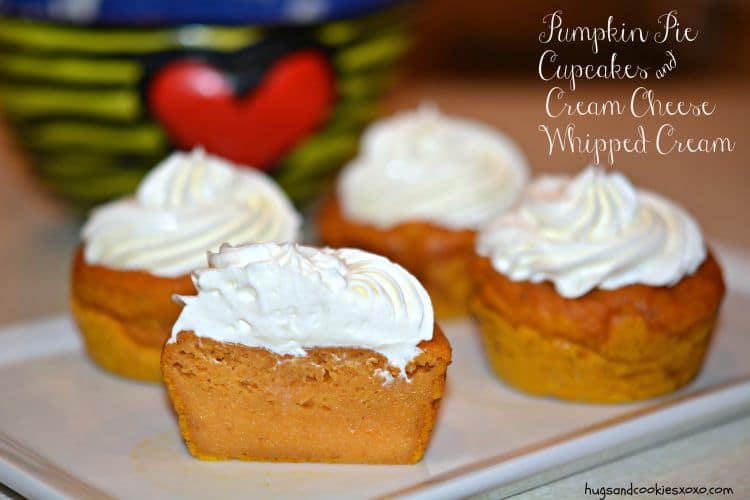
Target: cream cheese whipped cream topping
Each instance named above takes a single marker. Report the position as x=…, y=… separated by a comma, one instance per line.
x=594, y=230
x=287, y=297
x=188, y=204
x=424, y=166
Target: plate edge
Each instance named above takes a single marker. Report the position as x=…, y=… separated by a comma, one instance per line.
x=442, y=485
x=20, y=469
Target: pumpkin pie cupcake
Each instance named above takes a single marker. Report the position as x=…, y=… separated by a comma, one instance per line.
x=137, y=252
x=420, y=187
x=593, y=290
x=298, y=354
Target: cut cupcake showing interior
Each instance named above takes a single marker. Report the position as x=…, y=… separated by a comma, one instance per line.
x=293, y=353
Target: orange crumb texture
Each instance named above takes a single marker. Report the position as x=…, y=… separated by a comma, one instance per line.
x=440, y=258
x=338, y=405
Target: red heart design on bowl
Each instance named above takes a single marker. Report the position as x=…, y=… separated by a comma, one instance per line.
x=197, y=106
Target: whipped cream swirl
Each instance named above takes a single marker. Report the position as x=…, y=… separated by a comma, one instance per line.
x=287, y=297
x=188, y=204
x=594, y=230
x=422, y=166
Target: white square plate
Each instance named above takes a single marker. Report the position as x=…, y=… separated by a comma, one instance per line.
x=68, y=429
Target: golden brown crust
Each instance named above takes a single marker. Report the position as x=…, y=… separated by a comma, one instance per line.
x=112, y=344
x=125, y=316
x=331, y=405
x=128, y=295
x=591, y=319
x=607, y=346
x=438, y=257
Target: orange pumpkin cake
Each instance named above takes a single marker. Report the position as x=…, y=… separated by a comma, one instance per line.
x=420, y=187
x=297, y=354
x=124, y=316
x=137, y=252
x=594, y=291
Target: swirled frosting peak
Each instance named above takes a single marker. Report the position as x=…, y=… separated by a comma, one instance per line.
x=423, y=166
x=188, y=204
x=287, y=297
x=594, y=230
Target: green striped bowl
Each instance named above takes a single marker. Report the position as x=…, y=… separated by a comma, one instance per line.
x=74, y=96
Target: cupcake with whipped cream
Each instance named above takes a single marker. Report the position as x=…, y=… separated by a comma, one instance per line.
x=421, y=186
x=300, y=354
x=593, y=290
x=137, y=252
